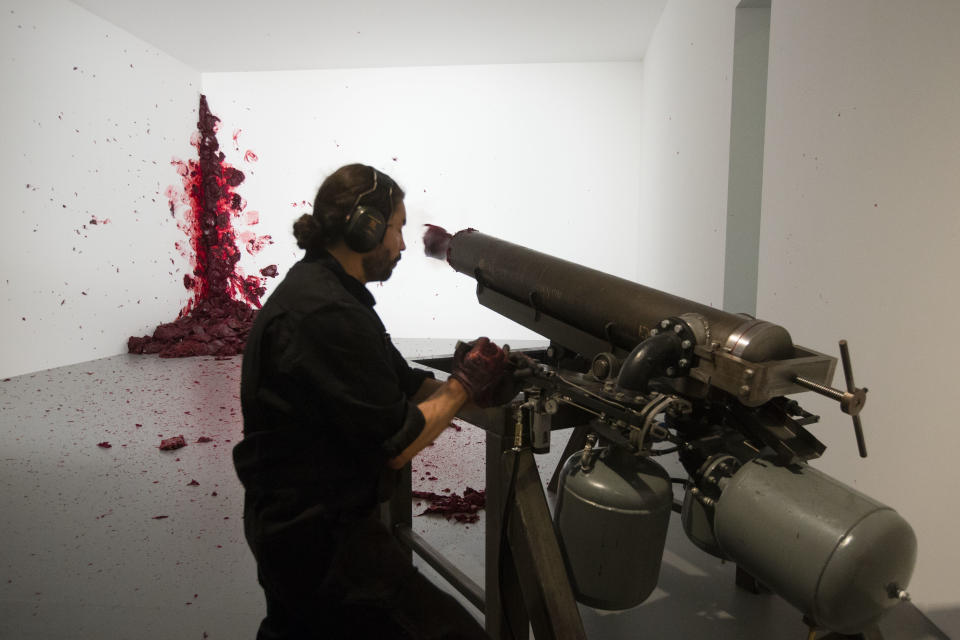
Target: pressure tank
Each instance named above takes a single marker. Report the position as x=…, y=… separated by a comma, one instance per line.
x=839, y=556
x=611, y=519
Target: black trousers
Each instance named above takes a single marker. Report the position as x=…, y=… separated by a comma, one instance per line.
x=352, y=580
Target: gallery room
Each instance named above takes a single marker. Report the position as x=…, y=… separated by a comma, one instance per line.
x=793, y=160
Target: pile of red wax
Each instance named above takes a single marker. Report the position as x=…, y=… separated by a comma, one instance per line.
x=460, y=508
x=218, y=318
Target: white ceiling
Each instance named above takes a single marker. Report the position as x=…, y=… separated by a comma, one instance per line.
x=257, y=35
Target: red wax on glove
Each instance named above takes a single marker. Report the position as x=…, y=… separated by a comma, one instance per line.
x=481, y=367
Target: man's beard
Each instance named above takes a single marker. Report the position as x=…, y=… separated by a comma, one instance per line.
x=378, y=265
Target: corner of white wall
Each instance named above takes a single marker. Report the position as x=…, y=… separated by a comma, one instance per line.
x=685, y=150
x=92, y=117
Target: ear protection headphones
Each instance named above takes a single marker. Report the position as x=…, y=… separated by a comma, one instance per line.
x=366, y=225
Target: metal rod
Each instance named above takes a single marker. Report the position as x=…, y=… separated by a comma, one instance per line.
x=457, y=578
x=848, y=376
x=829, y=392
x=847, y=366
x=858, y=432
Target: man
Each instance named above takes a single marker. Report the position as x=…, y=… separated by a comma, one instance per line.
x=331, y=410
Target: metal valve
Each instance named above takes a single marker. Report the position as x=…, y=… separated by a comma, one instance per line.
x=851, y=401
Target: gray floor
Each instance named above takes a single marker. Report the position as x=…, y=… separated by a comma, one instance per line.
x=133, y=542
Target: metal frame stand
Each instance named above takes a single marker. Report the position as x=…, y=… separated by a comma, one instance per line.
x=526, y=580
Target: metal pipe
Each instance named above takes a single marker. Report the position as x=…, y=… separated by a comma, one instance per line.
x=610, y=308
x=649, y=359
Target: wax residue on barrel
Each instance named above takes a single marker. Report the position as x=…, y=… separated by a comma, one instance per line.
x=224, y=300
x=436, y=242
x=453, y=506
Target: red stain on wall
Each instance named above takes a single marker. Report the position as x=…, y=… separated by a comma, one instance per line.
x=218, y=317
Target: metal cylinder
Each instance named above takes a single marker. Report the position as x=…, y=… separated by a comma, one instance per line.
x=611, y=518
x=832, y=552
x=605, y=306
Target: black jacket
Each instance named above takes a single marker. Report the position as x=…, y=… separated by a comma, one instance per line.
x=325, y=397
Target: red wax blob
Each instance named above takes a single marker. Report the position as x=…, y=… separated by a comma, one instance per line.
x=172, y=443
x=436, y=242
x=454, y=507
x=218, y=317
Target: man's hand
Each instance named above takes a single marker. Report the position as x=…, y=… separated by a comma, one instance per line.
x=486, y=371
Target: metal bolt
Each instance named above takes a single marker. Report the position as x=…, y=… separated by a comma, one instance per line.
x=664, y=324
x=671, y=371
x=654, y=331
x=748, y=374
x=686, y=344
x=678, y=328
x=894, y=591
x=745, y=390
x=683, y=363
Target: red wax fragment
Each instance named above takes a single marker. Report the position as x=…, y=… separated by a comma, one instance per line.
x=193, y=483
x=269, y=271
x=459, y=508
x=436, y=242
x=204, y=439
x=216, y=320
x=172, y=443
x=104, y=445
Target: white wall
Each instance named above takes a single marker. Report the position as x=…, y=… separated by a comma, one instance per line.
x=685, y=151
x=91, y=119
x=859, y=240
x=859, y=225
x=542, y=155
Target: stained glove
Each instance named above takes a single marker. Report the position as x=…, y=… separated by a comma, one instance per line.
x=487, y=372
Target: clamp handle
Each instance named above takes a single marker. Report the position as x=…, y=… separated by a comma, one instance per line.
x=851, y=401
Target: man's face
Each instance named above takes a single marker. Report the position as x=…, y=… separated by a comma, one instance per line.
x=378, y=264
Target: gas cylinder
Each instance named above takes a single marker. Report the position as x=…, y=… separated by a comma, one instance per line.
x=839, y=556
x=611, y=520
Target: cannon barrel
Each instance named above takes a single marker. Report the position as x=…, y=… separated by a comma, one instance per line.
x=609, y=308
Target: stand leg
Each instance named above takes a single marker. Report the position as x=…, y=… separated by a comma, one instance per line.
x=505, y=614
x=539, y=564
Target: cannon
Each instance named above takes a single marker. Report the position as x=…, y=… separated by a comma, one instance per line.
x=641, y=374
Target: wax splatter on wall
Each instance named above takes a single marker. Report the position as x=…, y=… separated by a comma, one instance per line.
x=224, y=300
